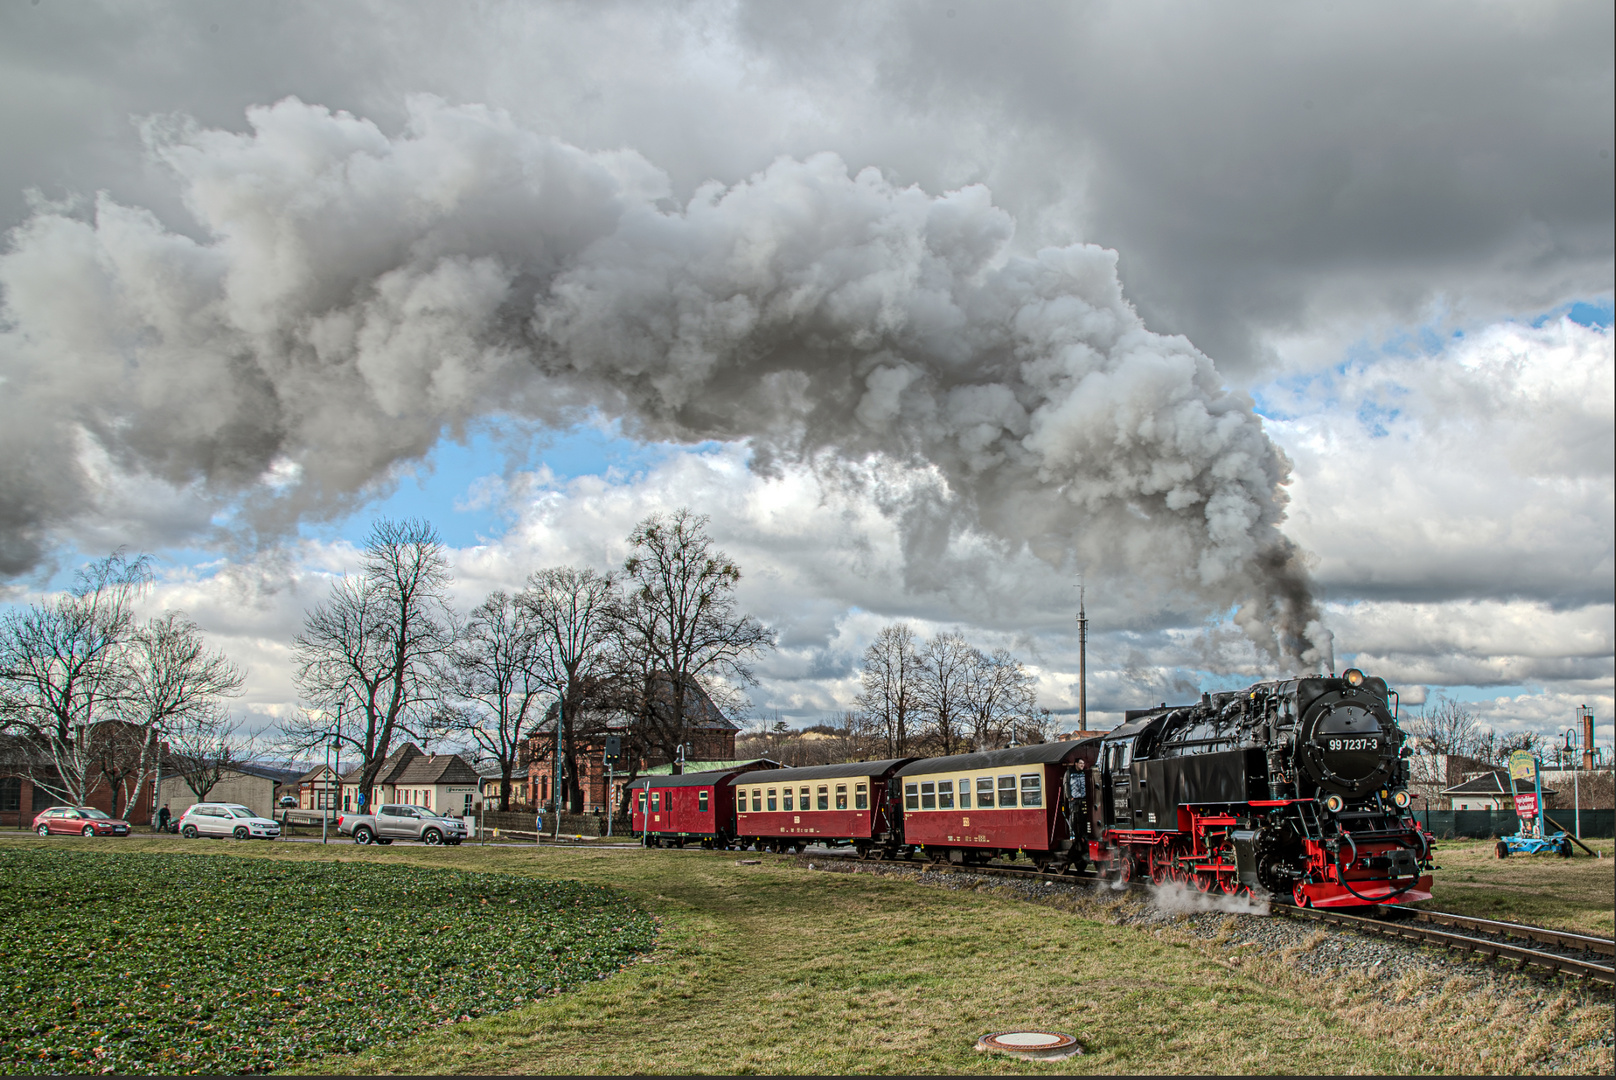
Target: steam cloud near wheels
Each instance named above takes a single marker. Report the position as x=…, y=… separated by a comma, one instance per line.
x=349, y=297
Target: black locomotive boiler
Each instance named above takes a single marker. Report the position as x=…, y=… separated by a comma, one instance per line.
x=1297, y=786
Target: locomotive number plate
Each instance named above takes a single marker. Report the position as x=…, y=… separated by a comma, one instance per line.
x=1353, y=744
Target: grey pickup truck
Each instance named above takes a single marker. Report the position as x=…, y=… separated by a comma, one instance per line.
x=399, y=822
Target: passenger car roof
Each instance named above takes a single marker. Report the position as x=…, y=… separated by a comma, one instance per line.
x=696, y=779
x=829, y=772
x=1036, y=754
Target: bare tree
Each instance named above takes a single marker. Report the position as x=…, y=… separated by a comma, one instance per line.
x=575, y=616
x=999, y=700
x=890, y=682
x=947, y=662
x=680, y=614
x=371, y=653
x=850, y=735
x=61, y=671
x=203, y=745
x=1446, y=728
x=168, y=674
x=494, y=681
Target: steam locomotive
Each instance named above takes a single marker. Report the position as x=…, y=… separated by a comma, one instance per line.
x=1294, y=787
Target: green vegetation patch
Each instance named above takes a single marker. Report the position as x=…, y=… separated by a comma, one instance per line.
x=171, y=963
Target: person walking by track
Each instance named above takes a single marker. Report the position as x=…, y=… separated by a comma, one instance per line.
x=163, y=817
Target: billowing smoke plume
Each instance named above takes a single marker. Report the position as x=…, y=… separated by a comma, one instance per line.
x=350, y=297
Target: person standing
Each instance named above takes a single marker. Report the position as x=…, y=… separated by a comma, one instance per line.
x=163, y=817
x=538, y=825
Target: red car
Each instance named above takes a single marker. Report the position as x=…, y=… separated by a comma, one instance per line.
x=78, y=821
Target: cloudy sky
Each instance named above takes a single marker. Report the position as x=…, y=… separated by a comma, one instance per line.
x=1288, y=327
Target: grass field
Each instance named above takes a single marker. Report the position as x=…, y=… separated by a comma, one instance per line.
x=1568, y=894
x=774, y=968
x=121, y=958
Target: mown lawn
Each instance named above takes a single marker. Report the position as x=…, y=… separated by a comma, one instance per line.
x=123, y=958
x=1577, y=894
x=776, y=968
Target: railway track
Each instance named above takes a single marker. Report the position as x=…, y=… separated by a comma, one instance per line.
x=1592, y=959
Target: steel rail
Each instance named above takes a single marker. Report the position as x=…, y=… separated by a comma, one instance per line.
x=1524, y=955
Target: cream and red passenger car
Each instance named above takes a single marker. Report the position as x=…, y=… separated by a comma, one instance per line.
x=970, y=807
x=834, y=805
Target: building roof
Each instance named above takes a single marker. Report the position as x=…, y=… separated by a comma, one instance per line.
x=701, y=713
x=409, y=764
x=1035, y=754
x=1493, y=783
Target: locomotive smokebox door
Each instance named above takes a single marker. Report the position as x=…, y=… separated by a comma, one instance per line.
x=1245, y=855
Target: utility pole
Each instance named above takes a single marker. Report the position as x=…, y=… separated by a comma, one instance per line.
x=1082, y=661
x=555, y=803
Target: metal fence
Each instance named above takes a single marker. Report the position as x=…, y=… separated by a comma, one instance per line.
x=1489, y=823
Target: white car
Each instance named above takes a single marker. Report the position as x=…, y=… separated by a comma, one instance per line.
x=226, y=819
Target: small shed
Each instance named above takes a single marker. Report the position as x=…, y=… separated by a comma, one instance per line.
x=1489, y=791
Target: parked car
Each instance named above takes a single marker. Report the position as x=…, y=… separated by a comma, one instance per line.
x=226, y=819
x=78, y=821
x=395, y=822
x=288, y=802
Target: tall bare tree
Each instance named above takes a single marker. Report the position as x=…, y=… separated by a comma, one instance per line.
x=680, y=612
x=495, y=682
x=372, y=652
x=1447, y=727
x=576, y=618
x=61, y=671
x=999, y=698
x=168, y=675
x=890, y=685
x=947, y=666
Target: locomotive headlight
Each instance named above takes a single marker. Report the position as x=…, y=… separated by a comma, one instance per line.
x=1334, y=804
x=1353, y=676
x=1401, y=799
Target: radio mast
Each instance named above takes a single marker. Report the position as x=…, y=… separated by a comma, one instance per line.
x=1082, y=661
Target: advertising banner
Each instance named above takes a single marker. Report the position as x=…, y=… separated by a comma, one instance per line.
x=1523, y=766
x=1526, y=805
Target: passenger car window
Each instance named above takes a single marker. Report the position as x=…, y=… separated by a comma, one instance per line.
x=773, y=801
x=786, y=799
x=642, y=800
x=824, y=797
x=984, y=792
x=656, y=801
x=841, y=796
x=1007, y=791
x=861, y=797
x=803, y=802
x=701, y=802
x=965, y=793
x=1031, y=790
x=911, y=796
x=740, y=802
x=928, y=795
x=757, y=800
x=945, y=794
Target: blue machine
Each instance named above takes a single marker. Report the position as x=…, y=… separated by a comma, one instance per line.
x=1530, y=838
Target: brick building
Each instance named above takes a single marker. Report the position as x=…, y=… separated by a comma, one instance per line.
x=710, y=736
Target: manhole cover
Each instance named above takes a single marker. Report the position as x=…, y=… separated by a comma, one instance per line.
x=1047, y=1045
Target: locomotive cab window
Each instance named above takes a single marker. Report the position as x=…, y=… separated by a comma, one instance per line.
x=786, y=800
x=928, y=796
x=701, y=802
x=1031, y=791
x=841, y=796
x=773, y=801
x=911, y=796
x=984, y=792
x=945, y=794
x=861, y=797
x=1007, y=791
x=965, y=793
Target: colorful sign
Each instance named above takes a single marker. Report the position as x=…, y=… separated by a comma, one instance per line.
x=1526, y=805
x=1523, y=766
